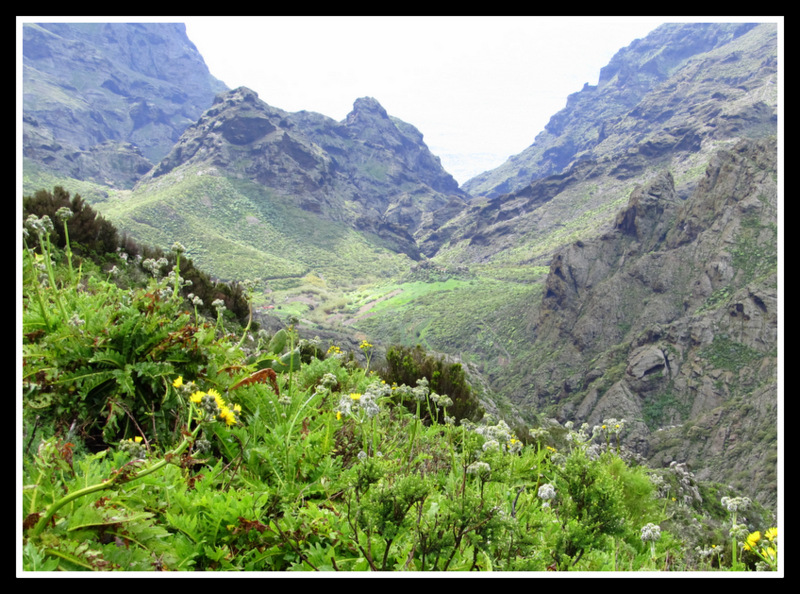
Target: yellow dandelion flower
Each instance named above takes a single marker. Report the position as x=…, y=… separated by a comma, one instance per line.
x=237, y=408
x=197, y=397
x=178, y=382
x=338, y=415
x=355, y=396
x=227, y=416
x=220, y=402
x=771, y=534
x=138, y=439
x=751, y=541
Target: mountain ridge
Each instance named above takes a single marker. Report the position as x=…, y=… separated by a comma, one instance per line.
x=369, y=171
x=632, y=73
x=103, y=101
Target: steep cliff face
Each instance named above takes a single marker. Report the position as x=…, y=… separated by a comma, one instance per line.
x=669, y=319
x=103, y=101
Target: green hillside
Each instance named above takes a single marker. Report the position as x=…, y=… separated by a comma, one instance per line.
x=241, y=230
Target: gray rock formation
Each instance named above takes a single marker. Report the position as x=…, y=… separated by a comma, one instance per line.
x=370, y=170
x=103, y=101
x=670, y=321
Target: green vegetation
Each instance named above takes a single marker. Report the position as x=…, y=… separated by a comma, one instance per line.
x=157, y=438
x=408, y=366
x=96, y=243
x=728, y=354
x=242, y=230
x=753, y=255
x=661, y=409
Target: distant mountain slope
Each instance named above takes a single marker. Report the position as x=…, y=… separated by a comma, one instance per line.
x=674, y=88
x=662, y=102
x=104, y=101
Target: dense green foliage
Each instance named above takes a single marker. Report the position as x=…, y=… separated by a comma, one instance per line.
x=88, y=232
x=99, y=242
x=405, y=365
x=158, y=439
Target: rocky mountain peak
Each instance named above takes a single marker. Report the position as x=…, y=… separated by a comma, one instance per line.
x=238, y=95
x=371, y=170
x=366, y=107
x=242, y=136
x=369, y=123
x=237, y=117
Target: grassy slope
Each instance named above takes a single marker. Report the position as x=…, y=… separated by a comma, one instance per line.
x=239, y=230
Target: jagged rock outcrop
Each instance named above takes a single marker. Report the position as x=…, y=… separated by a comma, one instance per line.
x=243, y=136
x=669, y=320
x=387, y=164
x=103, y=101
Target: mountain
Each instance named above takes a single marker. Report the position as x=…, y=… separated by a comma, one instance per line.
x=623, y=266
x=370, y=168
x=676, y=87
x=104, y=101
x=290, y=194
x=669, y=319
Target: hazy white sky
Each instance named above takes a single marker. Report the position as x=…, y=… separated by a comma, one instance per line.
x=479, y=89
